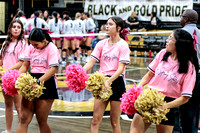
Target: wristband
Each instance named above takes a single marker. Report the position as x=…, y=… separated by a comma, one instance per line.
x=38, y=81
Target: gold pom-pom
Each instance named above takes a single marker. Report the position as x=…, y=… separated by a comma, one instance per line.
x=25, y=85
x=1, y=69
x=95, y=84
x=147, y=103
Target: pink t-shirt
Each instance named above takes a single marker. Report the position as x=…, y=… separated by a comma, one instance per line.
x=14, y=53
x=111, y=56
x=42, y=60
x=167, y=79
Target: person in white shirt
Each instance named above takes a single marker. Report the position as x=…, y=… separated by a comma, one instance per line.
x=79, y=28
x=68, y=28
x=36, y=22
x=55, y=26
x=21, y=17
x=90, y=28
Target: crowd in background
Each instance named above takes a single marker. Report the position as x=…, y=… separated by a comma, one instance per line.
x=70, y=48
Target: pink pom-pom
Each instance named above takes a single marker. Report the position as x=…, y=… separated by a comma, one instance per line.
x=8, y=82
x=128, y=99
x=76, y=77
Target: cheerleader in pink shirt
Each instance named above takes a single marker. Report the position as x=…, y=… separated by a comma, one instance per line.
x=11, y=57
x=173, y=73
x=42, y=57
x=113, y=54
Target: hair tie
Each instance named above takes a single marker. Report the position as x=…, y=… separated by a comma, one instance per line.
x=46, y=30
x=35, y=16
x=124, y=33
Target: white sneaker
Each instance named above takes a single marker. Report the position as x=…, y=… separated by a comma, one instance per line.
x=78, y=59
x=77, y=62
x=83, y=59
x=5, y=131
x=87, y=58
x=70, y=57
x=72, y=61
x=64, y=63
x=60, y=60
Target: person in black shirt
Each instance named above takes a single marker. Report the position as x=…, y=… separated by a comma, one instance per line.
x=132, y=22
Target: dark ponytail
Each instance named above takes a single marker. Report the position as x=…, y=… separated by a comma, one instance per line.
x=36, y=13
x=55, y=14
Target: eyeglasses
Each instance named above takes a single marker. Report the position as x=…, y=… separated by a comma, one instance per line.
x=171, y=38
x=182, y=16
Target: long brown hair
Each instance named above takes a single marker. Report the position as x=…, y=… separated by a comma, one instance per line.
x=9, y=37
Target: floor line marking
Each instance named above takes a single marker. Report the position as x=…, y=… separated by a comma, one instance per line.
x=125, y=117
x=75, y=117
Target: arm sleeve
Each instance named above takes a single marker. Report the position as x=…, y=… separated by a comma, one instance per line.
x=92, y=23
x=189, y=81
x=27, y=24
x=124, y=56
x=60, y=26
x=27, y=53
x=96, y=54
x=53, y=56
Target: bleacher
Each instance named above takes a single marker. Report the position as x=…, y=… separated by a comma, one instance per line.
x=150, y=42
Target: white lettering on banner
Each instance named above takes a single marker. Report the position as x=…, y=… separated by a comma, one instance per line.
x=167, y=10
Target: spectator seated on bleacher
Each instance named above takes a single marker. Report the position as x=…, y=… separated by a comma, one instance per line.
x=132, y=22
x=155, y=23
x=99, y=38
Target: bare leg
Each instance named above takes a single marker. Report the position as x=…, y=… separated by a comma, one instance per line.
x=58, y=43
x=99, y=109
x=77, y=45
x=9, y=111
x=138, y=125
x=17, y=103
x=65, y=46
x=115, y=113
x=164, y=128
x=27, y=110
x=88, y=43
x=42, y=110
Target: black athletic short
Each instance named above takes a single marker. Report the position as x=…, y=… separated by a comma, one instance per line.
x=118, y=88
x=51, y=91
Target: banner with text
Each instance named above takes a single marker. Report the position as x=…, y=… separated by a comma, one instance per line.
x=167, y=10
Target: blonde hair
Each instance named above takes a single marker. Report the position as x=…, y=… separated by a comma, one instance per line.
x=78, y=14
x=133, y=14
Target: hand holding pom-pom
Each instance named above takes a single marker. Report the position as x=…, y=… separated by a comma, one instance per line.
x=148, y=103
x=28, y=87
x=96, y=84
x=128, y=100
x=8, y=82
x=76, y=77
x=2, y=71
